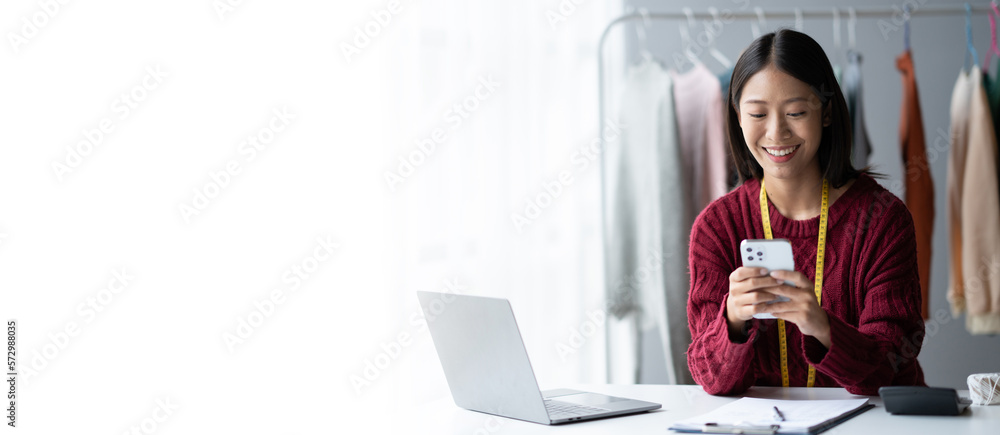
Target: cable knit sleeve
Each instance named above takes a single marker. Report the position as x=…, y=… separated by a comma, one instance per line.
x=719, y=364
x=882, y=349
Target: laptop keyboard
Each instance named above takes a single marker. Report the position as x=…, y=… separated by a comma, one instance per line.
x=560, y=410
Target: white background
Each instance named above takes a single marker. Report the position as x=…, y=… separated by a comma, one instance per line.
x=323, y=177
x=160, y=339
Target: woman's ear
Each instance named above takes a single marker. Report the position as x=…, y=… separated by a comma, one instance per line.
x=739, y=119
x=828, y=113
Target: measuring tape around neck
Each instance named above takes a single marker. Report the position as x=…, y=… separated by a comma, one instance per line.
x=818, y=282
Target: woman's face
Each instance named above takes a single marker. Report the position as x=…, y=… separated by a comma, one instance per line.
x=782, y=121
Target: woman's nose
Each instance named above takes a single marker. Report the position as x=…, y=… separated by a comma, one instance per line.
x=777, y=129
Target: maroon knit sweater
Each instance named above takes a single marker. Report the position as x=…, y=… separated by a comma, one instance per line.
x=871, y=293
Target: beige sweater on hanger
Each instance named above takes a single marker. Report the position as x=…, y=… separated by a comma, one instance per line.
x=960, y=97
x=980, y=214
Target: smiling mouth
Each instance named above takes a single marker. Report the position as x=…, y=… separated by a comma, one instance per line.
x=782, y=151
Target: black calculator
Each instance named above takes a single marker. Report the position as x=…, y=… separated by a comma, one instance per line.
x=923, y=401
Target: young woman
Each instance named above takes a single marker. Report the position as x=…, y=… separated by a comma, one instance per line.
x=790, y=136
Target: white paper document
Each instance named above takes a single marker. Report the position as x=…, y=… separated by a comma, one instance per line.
x=754, y=415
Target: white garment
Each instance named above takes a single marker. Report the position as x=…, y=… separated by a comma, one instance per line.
x=647, y=222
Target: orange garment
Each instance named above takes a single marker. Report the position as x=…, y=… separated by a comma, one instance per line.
x=919, y=195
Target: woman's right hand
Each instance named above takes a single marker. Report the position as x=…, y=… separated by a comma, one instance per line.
x=747, y=294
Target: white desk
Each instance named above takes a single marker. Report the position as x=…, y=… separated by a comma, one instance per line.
x=681, y=401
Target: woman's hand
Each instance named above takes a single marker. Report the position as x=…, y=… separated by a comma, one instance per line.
x=747, y=294
x=803, y=310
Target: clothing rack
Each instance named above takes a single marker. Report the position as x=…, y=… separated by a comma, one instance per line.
x=758, y=13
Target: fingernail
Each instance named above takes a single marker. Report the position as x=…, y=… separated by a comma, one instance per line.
x=774, y=274
x=763, y=272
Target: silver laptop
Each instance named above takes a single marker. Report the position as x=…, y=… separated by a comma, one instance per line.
x=487, y=367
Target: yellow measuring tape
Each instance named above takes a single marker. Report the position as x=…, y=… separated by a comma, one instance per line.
x=818, y=283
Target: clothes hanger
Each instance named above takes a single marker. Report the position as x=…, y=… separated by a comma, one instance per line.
x=993, y=37
x=838, y=48
x=726, y=63
x=761, y=23
x=852, y=23
x=971, y=49
x=686, y=39
x=640, y=34
x=906, y=27
x=645, y=56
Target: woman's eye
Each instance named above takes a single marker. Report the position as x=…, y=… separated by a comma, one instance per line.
x=796, y=114
x=756, y=115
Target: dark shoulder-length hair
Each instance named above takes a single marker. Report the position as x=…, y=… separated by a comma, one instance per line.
x=799, y=56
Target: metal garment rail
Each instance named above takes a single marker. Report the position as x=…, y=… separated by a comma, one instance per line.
x=745, y=15
x=755, y=14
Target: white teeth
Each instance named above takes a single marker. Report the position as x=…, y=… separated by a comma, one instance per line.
x=783, y=152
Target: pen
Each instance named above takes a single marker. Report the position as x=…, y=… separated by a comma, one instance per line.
x=778, y=415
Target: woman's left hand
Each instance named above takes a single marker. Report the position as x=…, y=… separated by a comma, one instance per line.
x=803, y=310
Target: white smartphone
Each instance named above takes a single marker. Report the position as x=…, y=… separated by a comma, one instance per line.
x=773, y=254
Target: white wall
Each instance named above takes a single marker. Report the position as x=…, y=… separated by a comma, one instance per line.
x=950, y=353
x=507, y=84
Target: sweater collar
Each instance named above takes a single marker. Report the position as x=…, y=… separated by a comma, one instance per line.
x=783, y=227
